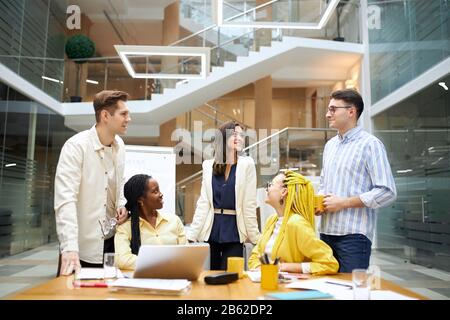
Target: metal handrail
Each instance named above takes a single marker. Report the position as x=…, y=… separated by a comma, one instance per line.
x=31, y=57
x=215, y=47
x=199, y=173
x=226, y=20
x=233, y=7
x=97, y=58
x=231, y=40
x=220, y=112
x=208, y=116
x=250, y=10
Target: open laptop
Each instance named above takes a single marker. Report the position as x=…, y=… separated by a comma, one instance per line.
x=171, y=261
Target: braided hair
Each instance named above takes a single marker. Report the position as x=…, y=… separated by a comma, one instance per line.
x=135, y=188
x=299, y=200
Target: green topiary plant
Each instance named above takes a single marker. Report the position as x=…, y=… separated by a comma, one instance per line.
x=80, y=47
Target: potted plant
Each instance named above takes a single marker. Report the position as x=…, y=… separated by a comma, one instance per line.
x=78, y=48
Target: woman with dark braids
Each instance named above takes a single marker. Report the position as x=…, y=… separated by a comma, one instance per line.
x=146, y=225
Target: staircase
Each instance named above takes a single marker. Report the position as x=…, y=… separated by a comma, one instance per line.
x=303, y=53
x=197, y=20
x=236, y=61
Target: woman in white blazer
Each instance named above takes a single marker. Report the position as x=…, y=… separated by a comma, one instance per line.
x=225, y=216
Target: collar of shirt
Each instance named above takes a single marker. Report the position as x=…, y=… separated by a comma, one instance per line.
x=96, y=140
x=159, y=218
x=350, y=134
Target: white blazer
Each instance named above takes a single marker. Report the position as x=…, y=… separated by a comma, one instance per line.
x=81, y=193
x=245, y=189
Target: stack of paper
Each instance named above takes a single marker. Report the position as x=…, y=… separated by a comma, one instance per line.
x=152, y=286
x=93, y=273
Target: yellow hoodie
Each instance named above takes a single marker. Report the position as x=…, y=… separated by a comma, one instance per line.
x=297, y=241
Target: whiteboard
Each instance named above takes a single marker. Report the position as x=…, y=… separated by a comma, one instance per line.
x=158, y=162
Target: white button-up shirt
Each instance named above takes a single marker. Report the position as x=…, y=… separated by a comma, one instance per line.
x=81, y=193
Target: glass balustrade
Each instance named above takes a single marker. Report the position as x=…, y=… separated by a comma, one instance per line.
x=206, y=116
x=83, y=80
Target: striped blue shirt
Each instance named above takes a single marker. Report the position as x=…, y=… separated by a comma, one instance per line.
x=356, y=164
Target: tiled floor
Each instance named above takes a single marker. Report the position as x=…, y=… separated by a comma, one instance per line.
x=39, y=265
x=28, y=269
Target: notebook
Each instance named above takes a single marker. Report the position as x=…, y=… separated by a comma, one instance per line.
x=94, y=273
x=299, y=295
x=151, y=286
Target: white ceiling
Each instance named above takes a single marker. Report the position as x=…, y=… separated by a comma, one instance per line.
x=313, y=68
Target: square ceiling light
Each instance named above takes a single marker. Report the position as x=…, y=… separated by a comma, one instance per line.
x=272, y=24
x=127, y=51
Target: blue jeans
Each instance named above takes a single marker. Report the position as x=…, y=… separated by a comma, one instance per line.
x=352, y=251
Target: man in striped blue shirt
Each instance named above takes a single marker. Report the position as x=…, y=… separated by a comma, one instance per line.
x=356, y=179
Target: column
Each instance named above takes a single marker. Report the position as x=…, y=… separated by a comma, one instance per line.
x=263, y=103
x=171, y=33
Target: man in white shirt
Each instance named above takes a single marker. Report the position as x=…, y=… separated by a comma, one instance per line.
x=89, y=185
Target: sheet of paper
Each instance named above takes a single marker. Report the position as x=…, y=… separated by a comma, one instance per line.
x=153, y=284
x=342, y=290
x=327, y=285
x=388, y=295
x=374, y=295
x=254, y=276
x=93, y=273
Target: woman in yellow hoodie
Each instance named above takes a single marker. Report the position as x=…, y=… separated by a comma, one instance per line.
x=290, y=233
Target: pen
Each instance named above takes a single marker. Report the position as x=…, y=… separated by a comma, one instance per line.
x=276, y=260
x=262, y=260
x=90, y=284
x=266, y=258
x=340, y=284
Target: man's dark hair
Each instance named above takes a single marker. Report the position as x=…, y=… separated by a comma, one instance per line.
x=107, y=100
x=134, y=189
x=352, y=97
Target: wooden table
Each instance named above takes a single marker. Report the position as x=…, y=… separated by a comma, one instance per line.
x=61, y=289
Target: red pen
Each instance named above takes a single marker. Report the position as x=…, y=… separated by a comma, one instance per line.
x=90, y=284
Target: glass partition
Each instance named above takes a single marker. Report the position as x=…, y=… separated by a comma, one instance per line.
x=32, y=40
x=31, y=138
x=408, y=38
x=416, y=133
